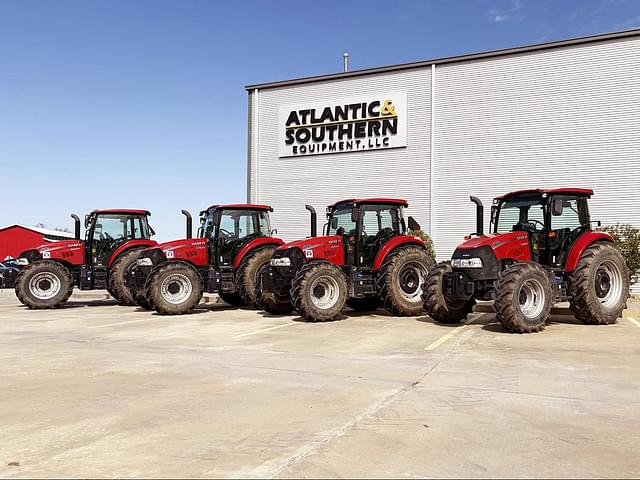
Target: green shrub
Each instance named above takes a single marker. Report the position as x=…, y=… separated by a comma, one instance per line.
x=427, y=241
x=627, y=239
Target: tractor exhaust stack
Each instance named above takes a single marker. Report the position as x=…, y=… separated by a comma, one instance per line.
x=314, y=220
x=76, y=220
x=479, y=215
x=189, y=223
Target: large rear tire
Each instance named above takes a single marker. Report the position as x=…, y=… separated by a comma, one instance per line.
x=174, y=288
x=524, y=297
x=599, y=285
x=247, y=275
x=436, y=304
x=400, y=278
x=319, y=292
x=117, y=287
x=44, y=284
x=270, y=302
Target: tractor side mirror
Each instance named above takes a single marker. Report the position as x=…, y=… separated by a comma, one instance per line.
x=355, y=213
x=334, y=223
x=86, y=221
x=557, y=206
x=413, y=225
x=274, y=231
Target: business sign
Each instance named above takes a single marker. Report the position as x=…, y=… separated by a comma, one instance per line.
x=371, y=122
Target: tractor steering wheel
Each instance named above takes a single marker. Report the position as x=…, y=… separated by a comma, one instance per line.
x=534, y=221
x=105, y=236
x=226, y=233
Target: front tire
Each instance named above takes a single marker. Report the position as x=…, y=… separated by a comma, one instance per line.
x=247, y=275
x=599, y=285
x=319, y=292
x=524, y=297
x=174, y=289
x=400, y=280
x=437, y=306
x=117, y=287
x=44, y=284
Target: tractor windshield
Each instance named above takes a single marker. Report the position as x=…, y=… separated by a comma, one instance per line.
x=518, y=213
x=235, y=224
x=340, y=222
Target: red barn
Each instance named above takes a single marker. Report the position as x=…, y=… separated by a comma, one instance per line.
x=15, y=239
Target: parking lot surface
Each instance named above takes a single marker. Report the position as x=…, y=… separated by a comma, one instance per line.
x=100, y=390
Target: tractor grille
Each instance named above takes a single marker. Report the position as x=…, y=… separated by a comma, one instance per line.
x=294, y=254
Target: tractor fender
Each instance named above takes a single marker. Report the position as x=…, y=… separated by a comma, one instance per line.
x=395, y=242
x=253, y=244
x=125, y=247
x=583, y=242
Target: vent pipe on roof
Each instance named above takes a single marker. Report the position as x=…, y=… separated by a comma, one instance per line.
x=345, y=60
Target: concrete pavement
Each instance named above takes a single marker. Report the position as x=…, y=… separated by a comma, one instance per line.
x=99, y=390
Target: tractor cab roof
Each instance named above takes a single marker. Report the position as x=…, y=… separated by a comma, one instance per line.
x=372, y=201
x=122, y=211
x=539, y=191
x=239, y=206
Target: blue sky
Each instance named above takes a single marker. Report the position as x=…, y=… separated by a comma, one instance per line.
x=140, y=103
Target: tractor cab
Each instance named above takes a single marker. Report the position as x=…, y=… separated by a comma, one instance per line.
x=107, y=230
x=231, y=227
x=365, y=225
x=552, y=219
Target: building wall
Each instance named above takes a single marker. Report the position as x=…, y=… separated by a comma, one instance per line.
x=288, y=183
x=559, y=117
x=564, y=117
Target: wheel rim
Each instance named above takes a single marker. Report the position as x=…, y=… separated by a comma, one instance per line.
x=45, y=285
x=411, y=278
x=531, y=298
x=176, y=288
x=324, y=292
x=608, y=285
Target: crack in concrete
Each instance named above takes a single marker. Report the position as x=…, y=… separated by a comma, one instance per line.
x=271, y=469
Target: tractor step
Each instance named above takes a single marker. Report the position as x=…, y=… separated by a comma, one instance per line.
x=361, y=284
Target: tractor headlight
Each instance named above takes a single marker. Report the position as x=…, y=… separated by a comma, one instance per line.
x=281, y=262
x=144, y=262
x=22, y=261
x=466, y=263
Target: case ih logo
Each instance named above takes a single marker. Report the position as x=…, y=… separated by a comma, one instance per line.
x=345, y=125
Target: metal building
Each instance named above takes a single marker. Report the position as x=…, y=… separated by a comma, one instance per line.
x=557, y=114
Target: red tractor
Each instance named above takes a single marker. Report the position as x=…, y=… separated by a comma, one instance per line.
x=234, y=242
x=542, y=250
x=113, y=239
x=365, y=259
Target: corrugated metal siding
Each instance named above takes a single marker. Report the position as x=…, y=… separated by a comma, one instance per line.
x=288, y=183
x=567, y=117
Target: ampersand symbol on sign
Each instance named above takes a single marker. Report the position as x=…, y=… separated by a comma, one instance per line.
x=388, y=108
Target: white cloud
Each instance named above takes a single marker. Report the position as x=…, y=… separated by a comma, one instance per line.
x=502, y=14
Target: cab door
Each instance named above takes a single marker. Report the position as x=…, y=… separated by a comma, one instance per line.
x=569, y=220
x=109, y=232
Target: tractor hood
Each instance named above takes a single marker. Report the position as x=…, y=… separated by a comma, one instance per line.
x=509, y=245
x=312, y=242
x=319, y=248
x=493, y=240
x=69, y=251
x=59, y=245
